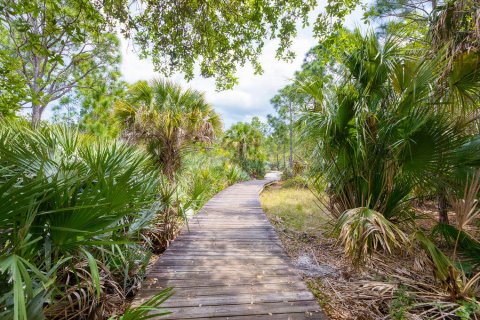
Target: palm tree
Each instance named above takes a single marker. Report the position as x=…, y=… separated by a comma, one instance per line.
x=244, y=139
x=167, y=119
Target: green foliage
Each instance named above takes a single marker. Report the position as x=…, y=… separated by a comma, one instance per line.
x=277, y=141
x=222, y=35
x=245, y=142
x=256, y=168
x=235, y=174
x=468, y=310
x=467, y=247
x=296, y=182
x=90, y=104
x=442, y=266
x=67, y=203
x=208, y=172
x=167, y=120
x=378, y=135
x=12, y=87
x=400, y=304
x=217, y=36
x=55, y=45
x=148, y=309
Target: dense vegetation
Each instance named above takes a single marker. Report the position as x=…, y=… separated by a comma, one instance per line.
x=81, y=217
x=388, y=123
x=245, y=141
x=379, y=123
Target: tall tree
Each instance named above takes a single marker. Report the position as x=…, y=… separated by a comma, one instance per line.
x=57, y=44
x=220, y=35
x=12, y=86
x=287, y=103
x=93, y=100
x=53, y=38
x=259, y=125
x=244, y=139
x=279, y=137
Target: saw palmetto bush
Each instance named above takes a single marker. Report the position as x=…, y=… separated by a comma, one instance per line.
x=70, y=207
x=206, y=173
x=382, y=131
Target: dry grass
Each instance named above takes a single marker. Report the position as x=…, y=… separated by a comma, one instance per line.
x=297, y=208
x=399, y=286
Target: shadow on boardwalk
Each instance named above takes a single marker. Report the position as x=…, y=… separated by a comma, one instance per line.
x=231, y=265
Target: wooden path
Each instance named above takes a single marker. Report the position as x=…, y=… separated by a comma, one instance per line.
x=231, y=265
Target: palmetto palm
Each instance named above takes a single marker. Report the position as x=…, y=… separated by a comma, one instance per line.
x=66, y=200
x=244, y=139
x=381, y=131
x=167, y=119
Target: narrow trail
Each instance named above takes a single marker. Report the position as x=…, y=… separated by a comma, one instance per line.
x=230, y=264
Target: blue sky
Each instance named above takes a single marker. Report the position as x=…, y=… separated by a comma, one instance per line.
x=251, y=97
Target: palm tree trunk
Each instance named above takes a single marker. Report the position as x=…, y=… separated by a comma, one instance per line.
x=442, y=207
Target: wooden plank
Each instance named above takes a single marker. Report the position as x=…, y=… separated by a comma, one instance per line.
x=156, y=282
x=276, y=288
x=185, y=254
x=207, y=274
x=219, y=268
x=238, y=299
x=226, y=245
x=243, y=309
x=252, y=261
x=289, y=316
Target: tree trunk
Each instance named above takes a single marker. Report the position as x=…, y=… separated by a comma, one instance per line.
x=278, y=157
x=284, y=156
x=291, y=138
x=36, y=115
x=442, y=208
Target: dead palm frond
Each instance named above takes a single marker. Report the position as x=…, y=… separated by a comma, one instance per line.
x=466, y=208
x=363, y=231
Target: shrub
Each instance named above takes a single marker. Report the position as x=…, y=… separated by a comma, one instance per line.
x=255, y=168
x=296, y=182
x=68, y=204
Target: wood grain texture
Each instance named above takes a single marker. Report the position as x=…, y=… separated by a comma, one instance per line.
x=229, y=264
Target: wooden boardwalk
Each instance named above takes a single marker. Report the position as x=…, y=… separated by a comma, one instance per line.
x=230, y=265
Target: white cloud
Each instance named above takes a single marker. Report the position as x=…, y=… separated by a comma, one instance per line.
x=251, y=97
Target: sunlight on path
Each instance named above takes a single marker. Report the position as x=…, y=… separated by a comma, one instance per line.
x=230, y=265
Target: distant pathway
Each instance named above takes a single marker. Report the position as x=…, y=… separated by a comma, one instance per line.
x=231, y=265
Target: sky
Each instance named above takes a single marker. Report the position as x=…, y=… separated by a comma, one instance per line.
x=251, y=96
